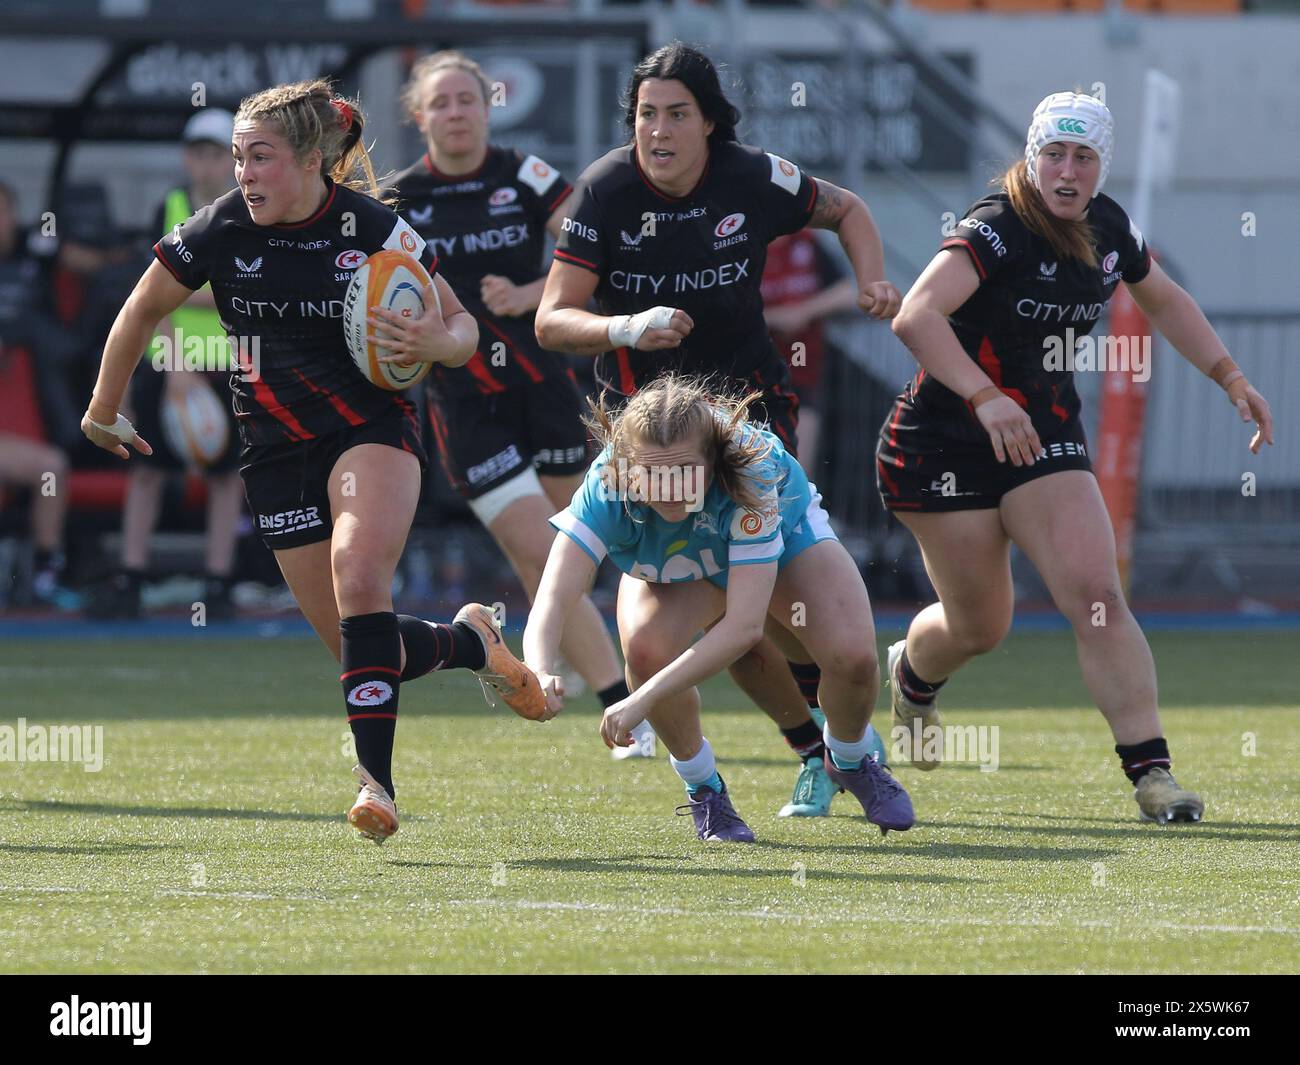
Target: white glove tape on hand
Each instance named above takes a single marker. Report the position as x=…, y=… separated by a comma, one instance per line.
x=625, y=330
x=122, y=429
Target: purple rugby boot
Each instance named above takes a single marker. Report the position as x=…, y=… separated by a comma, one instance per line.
x=883, y=799
x=716, y=819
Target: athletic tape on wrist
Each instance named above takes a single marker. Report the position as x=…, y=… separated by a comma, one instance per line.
x=122, y=429
x=626, y=330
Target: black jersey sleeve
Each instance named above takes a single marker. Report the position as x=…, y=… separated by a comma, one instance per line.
x=788, y=195
x=1134, y=255
x=188, y=250
x=582, y=236
x=993, y=235
x=542, y=187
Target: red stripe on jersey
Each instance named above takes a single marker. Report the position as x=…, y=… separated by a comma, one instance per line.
x=315, y=217
x=570, y=258
x=477, y=366
x=890, y=483
x=267, y=400
x=534, y=374
x=893, y=424
x=992, y=366
x=170, y=269
x=444, y=449
x=568, y=371
x=352, y=417
x=627, y=383
x=812, y=200
x=962, y=242
x=559, y=199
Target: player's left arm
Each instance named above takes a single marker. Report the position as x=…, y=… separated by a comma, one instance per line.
x=503, y=297
x=1181, y=321
x=845, y=214
x=749, y=591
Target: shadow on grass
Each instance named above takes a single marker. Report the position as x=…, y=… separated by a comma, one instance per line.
x=920, y=848
x=113, y=810
x=633, y=864
x=1245, y=831
x=83, y=848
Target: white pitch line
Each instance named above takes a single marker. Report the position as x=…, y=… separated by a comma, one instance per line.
x=872, y=918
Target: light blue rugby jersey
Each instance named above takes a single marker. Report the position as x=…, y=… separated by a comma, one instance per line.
x=706, y=543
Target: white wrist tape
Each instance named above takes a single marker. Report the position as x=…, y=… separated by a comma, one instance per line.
x=625, y=330
x=122, y=429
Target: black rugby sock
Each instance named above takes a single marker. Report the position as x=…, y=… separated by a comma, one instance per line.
x=808, y=675
x=430, y=646
x=1138, y=759
x=916, y=689
x=805, y=740
x=371, y=680
x=615, y=693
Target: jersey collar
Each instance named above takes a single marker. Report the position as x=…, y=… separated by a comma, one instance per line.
x=453, y=178
x=318, y=214
x=708, y=162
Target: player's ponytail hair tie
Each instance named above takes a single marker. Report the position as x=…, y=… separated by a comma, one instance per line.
x=985, y=394
x=344, y=110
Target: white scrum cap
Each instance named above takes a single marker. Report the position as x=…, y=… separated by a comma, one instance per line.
x=1073, y=117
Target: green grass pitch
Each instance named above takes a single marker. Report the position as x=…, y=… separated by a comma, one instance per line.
x=213, y=839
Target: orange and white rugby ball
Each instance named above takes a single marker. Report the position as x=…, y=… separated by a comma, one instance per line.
x=395, y=281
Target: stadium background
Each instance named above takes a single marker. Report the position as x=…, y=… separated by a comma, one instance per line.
x=914, y=105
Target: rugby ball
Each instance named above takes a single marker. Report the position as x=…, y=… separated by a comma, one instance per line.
x=195, y=425
x=395, y=281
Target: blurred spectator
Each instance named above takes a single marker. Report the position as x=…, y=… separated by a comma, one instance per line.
x=802, y=285
x=210, y=171
x=29, y=333
x=27, y=321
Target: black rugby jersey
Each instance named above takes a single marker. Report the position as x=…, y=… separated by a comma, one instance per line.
x=1026, y=305
x=705, y=256
x=279, y=290
x=491, y=221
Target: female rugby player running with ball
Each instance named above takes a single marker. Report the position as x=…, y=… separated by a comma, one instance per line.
x=669, y=233
x=331, y=464
x=507, y=424
x=731, y=538
x=985, y=447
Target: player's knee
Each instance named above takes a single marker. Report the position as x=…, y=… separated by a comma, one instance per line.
x=857, y=665
x=985, y=636
x=1092, y=604
x=648, y=652
x=358, y=589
